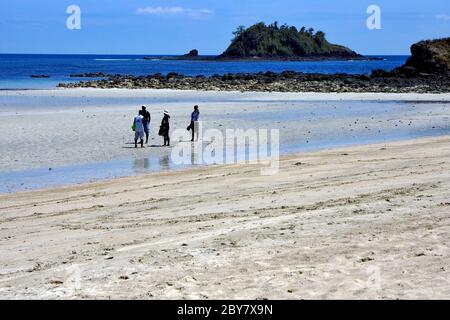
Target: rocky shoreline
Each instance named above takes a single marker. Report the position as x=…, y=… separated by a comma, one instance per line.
x=273, y=58
x=288, y=81
x=426, y=71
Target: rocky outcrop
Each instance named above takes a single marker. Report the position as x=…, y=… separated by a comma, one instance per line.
x=192, y=54
x=428, y=58
x=432, y=56
x=287, y=81
x=88, y=75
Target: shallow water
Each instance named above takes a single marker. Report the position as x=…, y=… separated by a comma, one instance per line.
x=303, y=126
x=68, y=175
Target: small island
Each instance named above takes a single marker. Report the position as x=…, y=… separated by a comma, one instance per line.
x=284, y=42
x=274, y=42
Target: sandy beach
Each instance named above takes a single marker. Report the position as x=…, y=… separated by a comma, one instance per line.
x=220, y=153
x=357, y=222
x=359, y=208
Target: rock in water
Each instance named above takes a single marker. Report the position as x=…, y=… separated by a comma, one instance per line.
x=192, y=53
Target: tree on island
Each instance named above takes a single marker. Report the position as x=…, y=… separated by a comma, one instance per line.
x=273, y=41
x=238, y=32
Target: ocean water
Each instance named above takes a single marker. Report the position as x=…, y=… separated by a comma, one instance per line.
x=15, y=69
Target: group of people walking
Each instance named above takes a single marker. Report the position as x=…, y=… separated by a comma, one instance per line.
x=141, y=126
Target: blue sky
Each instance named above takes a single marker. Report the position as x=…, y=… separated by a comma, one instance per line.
x=177, y=26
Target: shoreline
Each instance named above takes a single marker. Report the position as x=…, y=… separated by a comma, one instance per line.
x=317, y=229
x=306, y=96
x=219, y=58
x=402, y=80
x=202, y=167
x=45, y=183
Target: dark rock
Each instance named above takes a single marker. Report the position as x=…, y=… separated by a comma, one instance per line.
x=364, y=77
x=88, y=75
x=173, y=75
x=379, y=73
x=39, y=76
x=192, y=53
x=406, y=71
x=431, y=56
x=348, y=81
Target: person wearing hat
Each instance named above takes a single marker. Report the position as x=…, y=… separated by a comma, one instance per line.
x=165, y=127
x=146, y=123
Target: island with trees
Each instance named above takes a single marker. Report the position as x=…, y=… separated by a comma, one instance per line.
x=284, y=42
x=274, y=42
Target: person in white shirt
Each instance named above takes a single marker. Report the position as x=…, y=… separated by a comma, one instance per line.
x=138, y=127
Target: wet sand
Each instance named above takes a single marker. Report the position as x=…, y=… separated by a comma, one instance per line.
x=358, y=222
x=51, y=138
x=56, y=128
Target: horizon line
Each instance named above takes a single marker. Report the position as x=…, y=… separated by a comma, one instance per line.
x=152, y=54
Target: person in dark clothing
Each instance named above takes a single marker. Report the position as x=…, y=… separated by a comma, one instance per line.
x=165, y=128
x=194, y=122
x=146, y=122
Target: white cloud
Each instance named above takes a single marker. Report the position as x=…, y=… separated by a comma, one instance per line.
x=173, y=11
x=444, y=17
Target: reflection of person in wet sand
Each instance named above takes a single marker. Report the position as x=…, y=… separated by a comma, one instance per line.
x=195, y=155
x=138, y=128
x=141, y=165
x=165, y=128
x=164, y=162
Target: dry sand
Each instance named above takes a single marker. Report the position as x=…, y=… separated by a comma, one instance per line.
x=361, y=222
